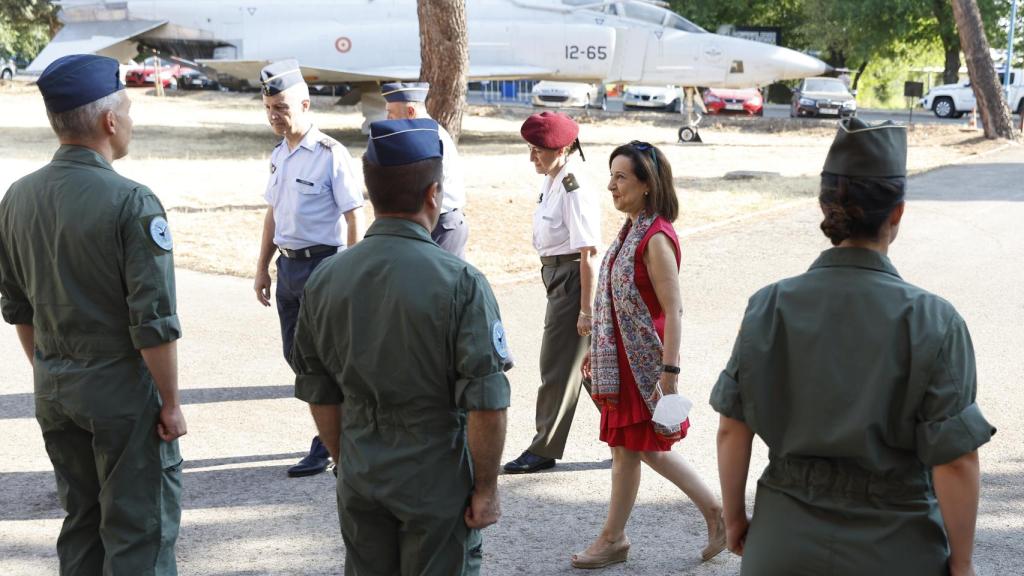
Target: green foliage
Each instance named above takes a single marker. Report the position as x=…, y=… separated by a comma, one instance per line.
x=26, y=26
x=884, y=37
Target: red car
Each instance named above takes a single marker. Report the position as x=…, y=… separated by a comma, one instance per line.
x=145, y=74
x=747, y=100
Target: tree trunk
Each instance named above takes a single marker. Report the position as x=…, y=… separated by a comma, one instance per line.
x=444, y=53
x=860, y=70
x=950, y=40
x=995, y=115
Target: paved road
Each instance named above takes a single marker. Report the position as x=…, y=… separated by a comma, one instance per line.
x=920, y=116
x=961, y=238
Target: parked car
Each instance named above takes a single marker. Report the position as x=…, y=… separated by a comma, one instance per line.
x=955, y=100
x=7, y=68
x=191, y=79
x=567, y=94
x=145, y=75
x=742, y=100
x=823, y=97
x=651, y=97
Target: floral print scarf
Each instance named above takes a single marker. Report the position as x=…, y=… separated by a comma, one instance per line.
x=618, y=294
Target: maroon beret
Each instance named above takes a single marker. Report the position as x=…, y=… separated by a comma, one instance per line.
x=551, y=130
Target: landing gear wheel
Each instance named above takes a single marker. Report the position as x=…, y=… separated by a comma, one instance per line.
x=688, y=134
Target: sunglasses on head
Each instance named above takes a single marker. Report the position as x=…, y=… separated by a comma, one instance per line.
x=645, y=147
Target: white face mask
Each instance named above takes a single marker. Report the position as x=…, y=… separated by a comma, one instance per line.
x=671, y=410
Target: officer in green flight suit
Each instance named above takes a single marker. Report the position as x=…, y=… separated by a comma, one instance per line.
x=401, y=353
x=87, y=278
x=863, y=387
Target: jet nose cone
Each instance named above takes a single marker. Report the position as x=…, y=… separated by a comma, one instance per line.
x=798, y=65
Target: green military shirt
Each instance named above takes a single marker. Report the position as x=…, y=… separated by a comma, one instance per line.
x=408, y=338
x=85, y=258
x=858, y=383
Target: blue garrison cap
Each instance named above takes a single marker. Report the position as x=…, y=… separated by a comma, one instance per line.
x=280, y=76
x=398, y=142
x=78, y=79
x=405, y=91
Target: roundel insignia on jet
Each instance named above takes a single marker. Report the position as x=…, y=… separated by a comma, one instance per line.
x=343, y=44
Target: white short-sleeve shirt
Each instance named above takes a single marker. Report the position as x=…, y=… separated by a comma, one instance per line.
x=566, y=222
x=310, y=188
x=452, y=187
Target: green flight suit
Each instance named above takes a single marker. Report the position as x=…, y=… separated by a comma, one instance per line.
x=859, y=383
x=85, y=258
x=407, y=338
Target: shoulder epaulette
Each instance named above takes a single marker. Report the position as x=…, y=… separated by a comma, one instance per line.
x=328, y=142
x=570, y=183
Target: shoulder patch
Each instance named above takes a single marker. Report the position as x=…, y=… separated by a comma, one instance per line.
x=570, y=183
x=499, y=340
x=273, y=168
x=160, y=233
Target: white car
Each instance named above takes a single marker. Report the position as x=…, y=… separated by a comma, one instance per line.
x=955, y=100
x=660, y=97
x=567, y=94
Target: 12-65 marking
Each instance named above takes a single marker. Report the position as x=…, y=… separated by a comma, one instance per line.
x=573, y=52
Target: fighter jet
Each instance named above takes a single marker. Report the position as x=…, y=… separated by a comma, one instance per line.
x=364, y=42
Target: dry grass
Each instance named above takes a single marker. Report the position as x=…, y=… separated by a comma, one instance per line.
x=206, y=156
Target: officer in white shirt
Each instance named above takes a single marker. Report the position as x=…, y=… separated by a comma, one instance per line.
x=566, y=234
x=315, y=206
x=405, y=100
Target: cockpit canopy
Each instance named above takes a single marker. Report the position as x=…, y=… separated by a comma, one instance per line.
x=641, y=11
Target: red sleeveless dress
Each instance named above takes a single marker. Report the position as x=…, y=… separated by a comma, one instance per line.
x=628, y=423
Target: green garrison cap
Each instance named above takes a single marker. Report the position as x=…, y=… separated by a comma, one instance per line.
x=868, y=150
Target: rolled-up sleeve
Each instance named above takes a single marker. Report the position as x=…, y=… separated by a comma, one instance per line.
x=950, y=423
x=148, y=271
x=313, y=383
x=481, y=347
x=14, y=303
x=725, y=396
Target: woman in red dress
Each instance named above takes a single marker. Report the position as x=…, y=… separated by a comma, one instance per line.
x=634, y=353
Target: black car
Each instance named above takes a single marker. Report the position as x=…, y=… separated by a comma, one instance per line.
x=823, y=97
x=196, y=80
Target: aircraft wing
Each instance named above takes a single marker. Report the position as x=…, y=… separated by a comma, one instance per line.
x=250, y=70
x=109, y=38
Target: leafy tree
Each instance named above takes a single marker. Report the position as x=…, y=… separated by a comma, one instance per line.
x=26, y=26
x=785, y=14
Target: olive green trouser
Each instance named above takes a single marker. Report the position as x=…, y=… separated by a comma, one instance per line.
x=118, y=482
x=561, y=354
x=380, y=543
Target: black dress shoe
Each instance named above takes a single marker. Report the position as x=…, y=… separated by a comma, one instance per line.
x=313, y=463
x=528, y=462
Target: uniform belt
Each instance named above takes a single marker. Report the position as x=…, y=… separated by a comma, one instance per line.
x=560, y=259
x=306, y=253
x=839, y=476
